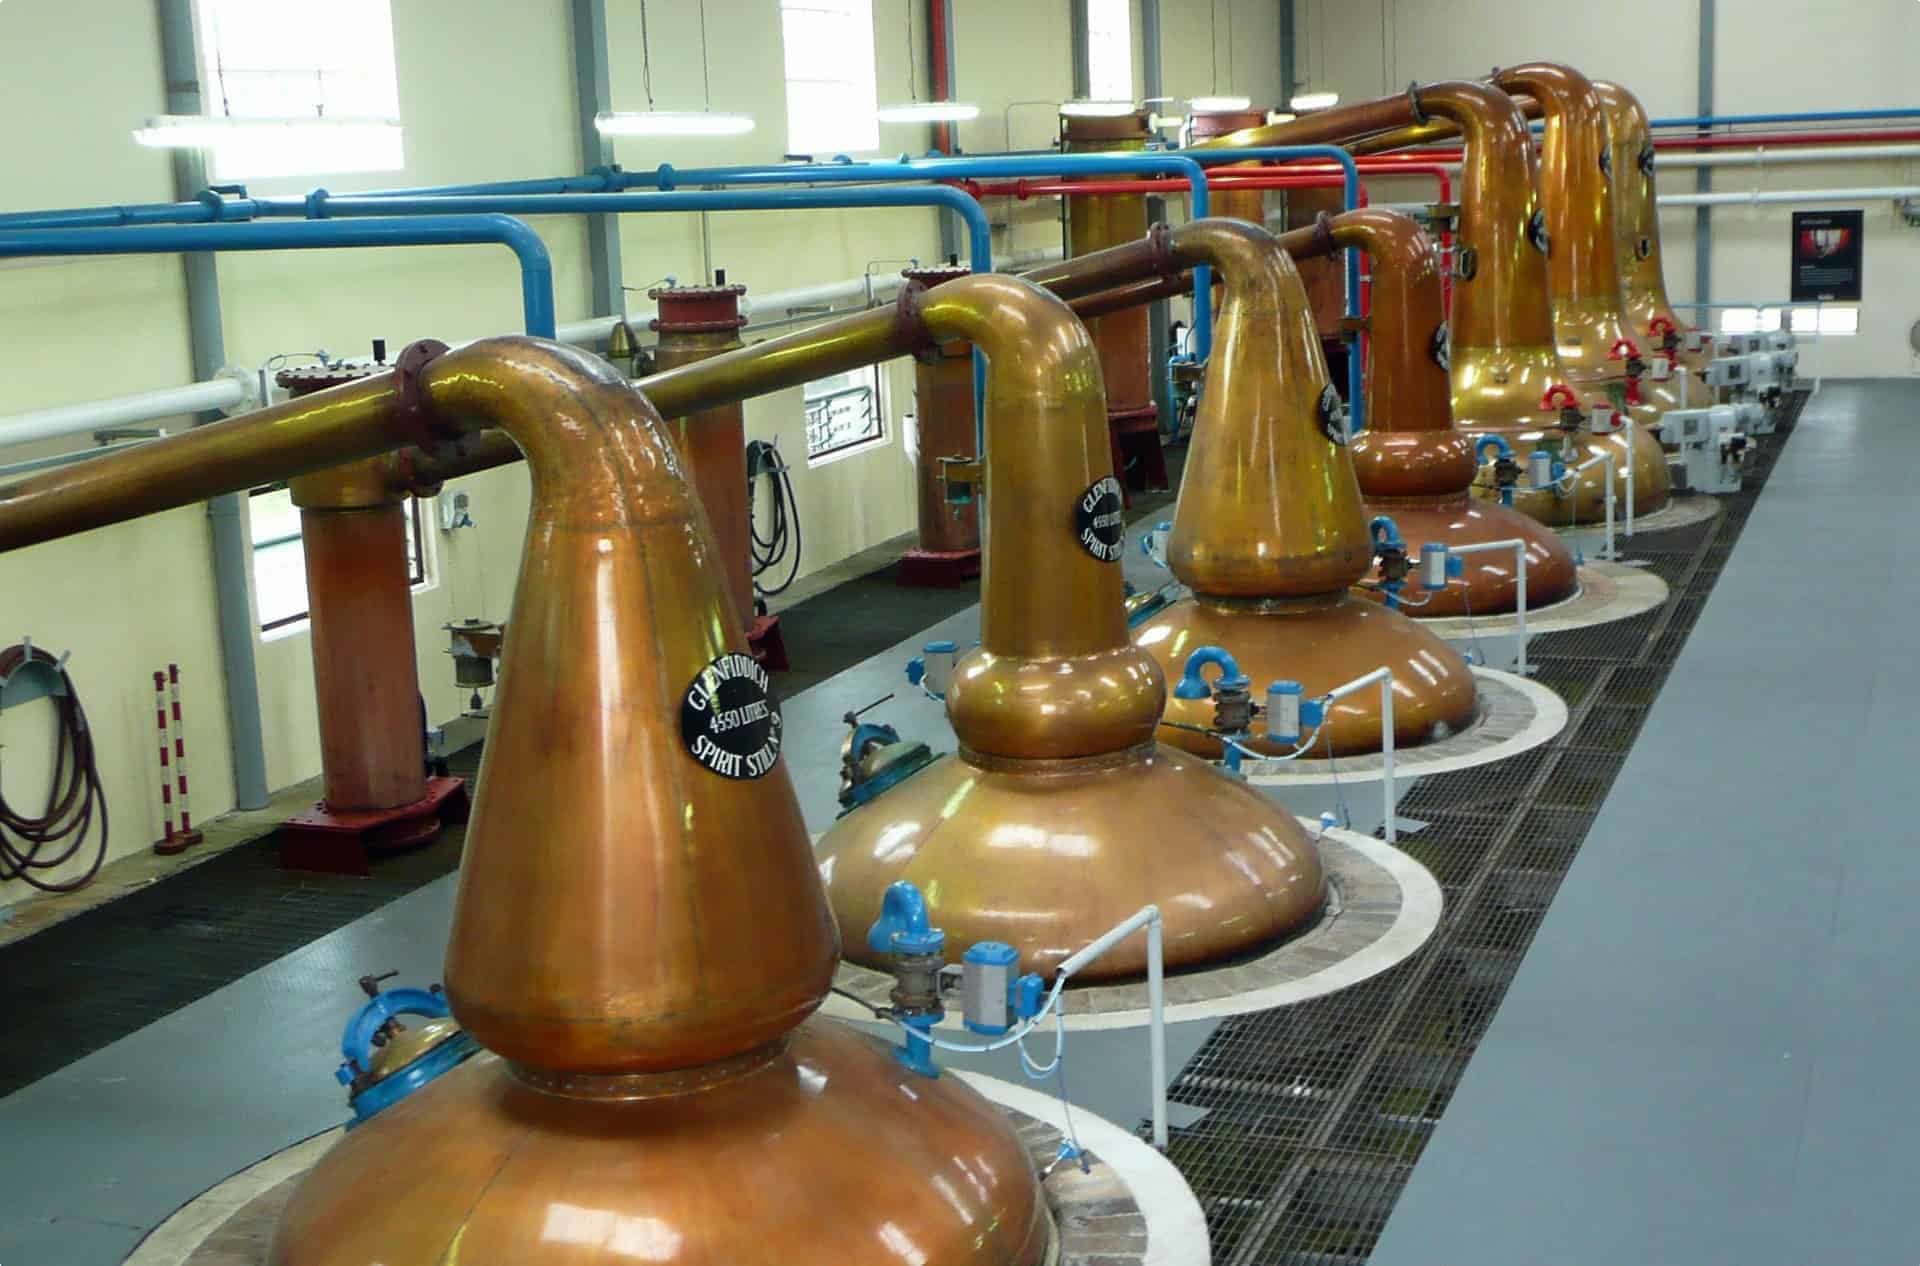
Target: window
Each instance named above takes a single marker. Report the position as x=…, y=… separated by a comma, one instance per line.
x=1819, y=319
x=1109, y=50
x=845, y=415
x=299, y=59
x=280, y=564
x=831, y=96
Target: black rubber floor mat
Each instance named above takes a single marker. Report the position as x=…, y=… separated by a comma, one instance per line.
x=98, y=976
x=1318, y=1112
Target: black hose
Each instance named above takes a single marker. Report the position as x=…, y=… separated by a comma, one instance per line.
x=53, y=838
x=781, y=544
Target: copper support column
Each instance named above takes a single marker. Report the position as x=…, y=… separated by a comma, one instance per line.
x=1412, y=465
x=1636, y=227
x=695, y=322
x=1504, y=356
x=1094, y=224
x=640, y=935
x=949, y=549
x=1051, y=823
x=375, y=793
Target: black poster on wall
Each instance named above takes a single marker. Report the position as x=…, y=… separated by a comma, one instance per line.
x=1826, y=255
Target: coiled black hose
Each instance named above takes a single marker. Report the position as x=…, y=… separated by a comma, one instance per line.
x=781, y=544
x=30, y=844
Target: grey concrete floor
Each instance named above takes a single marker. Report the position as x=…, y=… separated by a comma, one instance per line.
x=103, y=1150
x=1707, y=1054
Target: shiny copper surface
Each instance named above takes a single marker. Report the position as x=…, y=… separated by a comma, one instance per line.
x=943, y=412
x=1046, y=855
x=1412, y=465
x=1231, y=204
x=1504, y=350
x=697, y=322
x=360, y=608
x=618, y=950
x=1636, y=227
x=1035, y=830
x=831, y=1153
x=1096, y=223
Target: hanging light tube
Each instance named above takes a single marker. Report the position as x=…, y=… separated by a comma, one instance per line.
x=1096, y=109
x=928, y=112
x=1314, y=101
x=205, y=131
x=672, y=123
x=1210, y=105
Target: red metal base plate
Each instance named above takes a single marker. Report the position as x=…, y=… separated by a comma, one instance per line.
x=931, y=569
x=178, y=842
x=764, y=640
x=343, y=841
x=1138, y=458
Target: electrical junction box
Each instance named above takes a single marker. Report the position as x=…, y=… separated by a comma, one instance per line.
x=986, y=986
x=1728, y=371
x=1711, y=447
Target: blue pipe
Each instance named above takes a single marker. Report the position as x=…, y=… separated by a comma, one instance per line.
x=1350, y=187
x=1806, y=116
x=320, y=205
x=536, y=266
x=666, y=176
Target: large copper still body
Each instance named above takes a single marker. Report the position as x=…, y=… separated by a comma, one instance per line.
x=1636, y=227
x=640, y=933
x=949, y=548
x=1095, y=223
x=1038, y=831
x=1270, y=532
x=1504, y=359
x=1412, y=464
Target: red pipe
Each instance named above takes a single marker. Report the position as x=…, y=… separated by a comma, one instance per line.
x=1719, y=140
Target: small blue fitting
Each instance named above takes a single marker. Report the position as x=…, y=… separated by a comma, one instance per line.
x=1028, y=992
x=903, y=926
x=1385, y=532
x=1193, y=683
x=1313, y=713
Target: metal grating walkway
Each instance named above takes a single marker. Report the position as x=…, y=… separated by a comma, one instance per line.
x=1317, y=1113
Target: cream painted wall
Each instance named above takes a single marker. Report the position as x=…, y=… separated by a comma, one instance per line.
x=1866, y=55
x=494, y=103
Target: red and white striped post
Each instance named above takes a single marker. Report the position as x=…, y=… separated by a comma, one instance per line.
x=187, y=834
x=173, y=763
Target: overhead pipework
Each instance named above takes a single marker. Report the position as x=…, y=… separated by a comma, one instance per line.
x=1031, y=833
x=1270, y=533
x=1412, y=464
x=1505, y=356
x=649, y=1067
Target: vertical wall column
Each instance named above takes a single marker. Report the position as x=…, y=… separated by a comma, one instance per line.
x=1703, y=179
x=1159, y=345
x=180, y=60
x=593, y=86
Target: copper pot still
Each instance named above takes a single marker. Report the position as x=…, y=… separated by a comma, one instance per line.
x=1412, y=465
x=1504, y=351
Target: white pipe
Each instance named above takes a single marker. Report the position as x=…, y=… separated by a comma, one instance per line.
x=1783, y=156
x=1757, y=197
x=1519, y=548
x=228, y=391
x=1384, y=676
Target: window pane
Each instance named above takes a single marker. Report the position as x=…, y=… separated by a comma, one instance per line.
x=831, y=95
x=1739, y=321
x=1109, y=50
x=1805, y=320
x=279, y=562
x=844, y=413
x=1839, y=320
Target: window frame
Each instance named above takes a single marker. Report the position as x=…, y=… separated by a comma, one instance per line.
x=864, y=91
x=1772, y=317
x=882, y=433
x=1104, y=40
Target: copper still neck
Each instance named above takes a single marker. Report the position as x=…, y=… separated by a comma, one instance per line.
x=1575, y=162
x=1636, y=218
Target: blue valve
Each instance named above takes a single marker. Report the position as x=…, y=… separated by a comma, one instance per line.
x=1193, y=683
x=371, y=1088
x=1393, y=558
x=905, y=931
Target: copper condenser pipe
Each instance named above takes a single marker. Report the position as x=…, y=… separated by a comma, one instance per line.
x=1039, y=831
x=1636, y=227
x=949, y=548
x=1504, y=357
x=1412, y=464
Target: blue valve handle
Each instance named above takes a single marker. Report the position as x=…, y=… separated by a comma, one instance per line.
x=1385, y=532
x=903, y=926
x=357, y=1042
x=1193, y=683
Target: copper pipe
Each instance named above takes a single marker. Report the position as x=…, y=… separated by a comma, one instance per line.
x=944, y=416
x=1636, y=226
x=1226, y=202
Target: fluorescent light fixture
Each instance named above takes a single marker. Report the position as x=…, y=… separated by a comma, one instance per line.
x=1314, y=101
x=928, y=112
x=1206, y=105
x=673, y=123
x=1096, y=109
x=1162, y=122
x=1281, y=116
x=201, y=131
